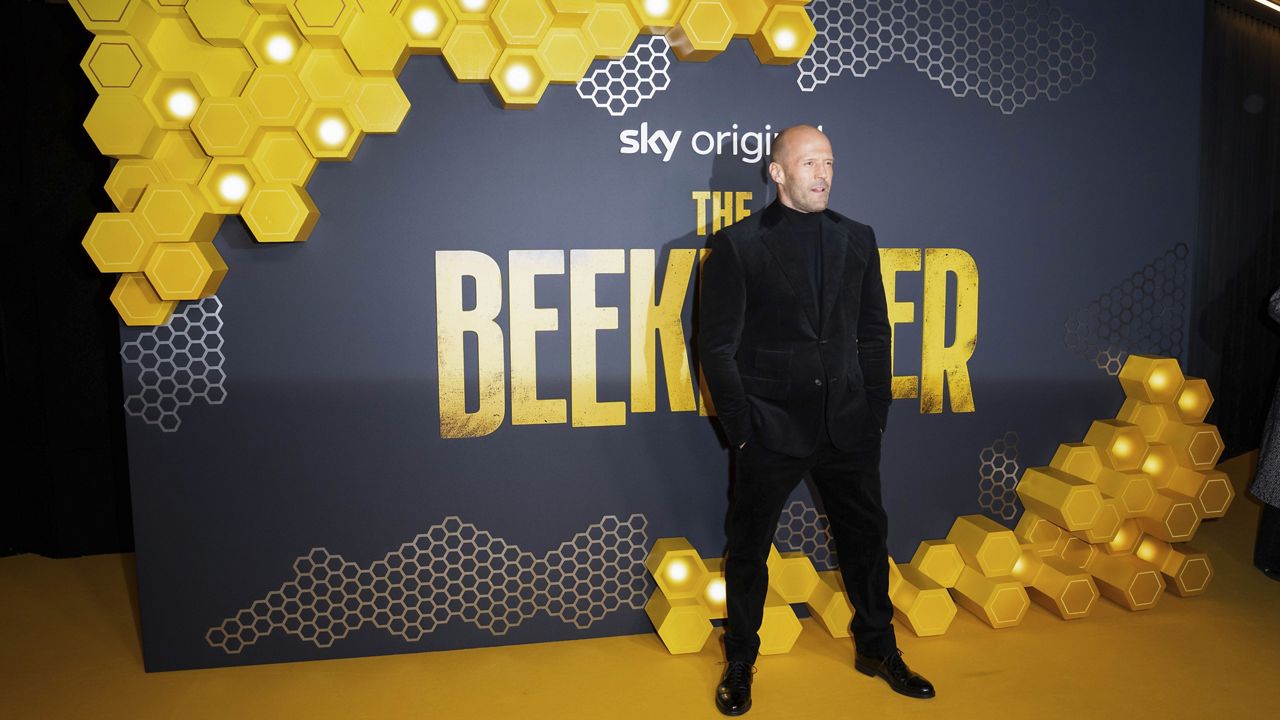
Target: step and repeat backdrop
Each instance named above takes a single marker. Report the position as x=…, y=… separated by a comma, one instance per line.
x=460, y=413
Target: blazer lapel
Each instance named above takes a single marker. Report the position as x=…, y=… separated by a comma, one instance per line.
x=835, y=244
x=783, y=248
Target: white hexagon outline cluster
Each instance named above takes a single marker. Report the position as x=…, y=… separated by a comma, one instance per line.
x=1006, y=53
x=178, y=363
x=998, y=477
x=801, y=528
x=454, y=570
x=630, y=80
x=1143, y=314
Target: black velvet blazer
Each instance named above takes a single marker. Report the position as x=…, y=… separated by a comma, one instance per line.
x=771, y=372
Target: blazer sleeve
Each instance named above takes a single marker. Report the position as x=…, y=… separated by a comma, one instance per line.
x=721, y=316
x=874, y=337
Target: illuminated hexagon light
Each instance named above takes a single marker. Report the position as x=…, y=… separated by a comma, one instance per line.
x=185, y=271
x=1151, y=379
x=703, y=32
x=1194, y=400
x=116, y=64
x=985, y=544
x=564, y=54
x=280, y=212
x=175, y=213
x=610, y=28
x=785, y=35
x=122, y=127
x=471, y=52
x=472, y=10
x=138, y=303
x=282, y=156
x=677, y=568
x=1126, y=539
x=521, y=23
x=519, y=78
x=427, y=23
x=1160, y=464
x=714, y=594
x=116, y=244
x=1121, y=445
x=276, y=96
x=275, y=40
x=174, y=99
x=227, y=184
x=683, y=624
x=657, y=16
x=330, y=132
x=378, y=44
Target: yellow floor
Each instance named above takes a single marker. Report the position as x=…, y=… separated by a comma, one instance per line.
x=69, y=649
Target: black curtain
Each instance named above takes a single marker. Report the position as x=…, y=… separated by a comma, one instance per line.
x=1233, y=343
x=65, y=490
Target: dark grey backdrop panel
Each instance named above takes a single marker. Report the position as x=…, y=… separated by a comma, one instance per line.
x=294, y=499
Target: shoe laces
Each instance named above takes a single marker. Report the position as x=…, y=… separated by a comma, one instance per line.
x=894, y=663
x=738, y=672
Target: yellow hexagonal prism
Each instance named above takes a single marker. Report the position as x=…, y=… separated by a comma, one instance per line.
x=379, y=105
x=471, y=52
x=1036, y=530
x=175, y=213
x=793, y=577
x=378, y=44
x=938, y=560
x=274, y=40
x=681, y=623
x=177, y=47
x=1127, y=581
x=1074, y=552
x=985, y=544
x=779, y=628
x=1066, y=591
x=829, y=605
x=323, y=21
x=1186, y=571
x=1000, y=602
x=703, y=32
x=185, y=271
x=122, y=127
x=1172, y=517
x=521, y=23
x=138, y=303
x=658, y=15
x=565, y=54
x=116, y=64
x=280, y=212
x=677, y=568
x=1134, y=490
x=225, y=126
x=281, y=156
x=1151, y=379
x=1107, y=523
x=610, y=28
x=116, y=243
x=714, y=592
x=1151, y=418
x=115, y=17
x=1120, y=445
x=328, y=75
x=747, y=15
x=921, y=604
x=127, y=181
x=1160, y=464
x=276, y=96
x=427, y=23
x=330, y=132
x=1196, y=445
x=180, y=158
x=1065, y=499
x=1210, y=489
x=519, y=78
x=221, y=22
x=1193, y=400
x=785, y=35
x=227, y=184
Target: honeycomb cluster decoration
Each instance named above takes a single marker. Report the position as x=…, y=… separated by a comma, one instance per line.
x=224, y=107
x=1109, y=517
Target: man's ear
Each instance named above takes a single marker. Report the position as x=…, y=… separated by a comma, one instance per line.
x=775, y=172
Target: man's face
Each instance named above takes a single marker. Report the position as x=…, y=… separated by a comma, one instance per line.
x=803, y=171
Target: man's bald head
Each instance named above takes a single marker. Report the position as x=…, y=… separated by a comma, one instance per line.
x=802, y=165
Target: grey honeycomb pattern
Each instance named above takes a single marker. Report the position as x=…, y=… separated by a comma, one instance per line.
x=1007, y=53
x=998, y=477
x=802, y=528
x=1142, y=314
x=178, y=363
x=625, y=83
x=453, y=571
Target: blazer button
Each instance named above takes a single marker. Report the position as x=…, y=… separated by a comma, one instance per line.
x=817, y=381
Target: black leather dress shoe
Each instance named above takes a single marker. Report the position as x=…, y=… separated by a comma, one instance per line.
x=733, y=696
x=895, y=672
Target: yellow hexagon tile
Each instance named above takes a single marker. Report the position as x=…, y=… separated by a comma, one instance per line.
x=565, y=54
x=471, y=52
x=747, y=15
x=1133, y=489
x=939, y=560
x=1037, y=530
x=122, y=127
x=323, y=21
x=116, y=64
x=714, y=595
x=1001, y=602
x=379, y=105
x=1151, y=379
x=1121, y=445
x=378, y=44
x=924, y=606
x=1077, y=459
x=428, y=24
x=1172, y=517
x=521, y=23
x=116, y=17
x=704, y=31
x=1213, y=492
x=611, y=28
x=274, y=40
x=174, y=99
x=985, y=544
x=1066, y=500
x=116, y=243
x=1196, y=445
x=177, y=47
x=181, y=158
x=682, y=623
x=280, y=212
x=330, y=132
x=221, y=22
x=225, y=126
x=185, y=271
x=1193, y=400
x=328, y=75
x=784, y=36
x=127, y=181
x=519, y=78
x=276, y=96
x=794, y=577
x=657, y=16
x=472, y=10
x=1127, y=581
x=779, y=627
x=281, y=156
x=572, y=12
x=138, y=303
x=677, y=568
x=1151, y=418
x=1107, y=523
x=227, y=183
x=174, y=212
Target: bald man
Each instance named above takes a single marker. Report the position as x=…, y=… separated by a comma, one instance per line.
x=794, y=343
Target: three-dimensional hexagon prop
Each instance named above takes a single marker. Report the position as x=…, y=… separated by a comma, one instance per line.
x=378, y=44
x=329, y=131
x=116, y=64
x=471, y=52
x=1127, y=580
x=122, y=127
x=1151, y=379
x=276, y=96
x=521, y=23
x=793, y=577
x=985, y=544
x=1193, y=400
x=1001, y=602
x=175, y=213
x=1068, y=501
x=1077, y=459
x=185, y=271
x=138, y=303
x=427, y=23
x=1151, y=418
x=127, y=181
x=519, y=78
x=610, y=28
x=227, y=183
x=1196, y=445
x=682, y=623
x=704, y=31
x=939, y=560
x=226, y=126
x=924, y=606
x=116, y=243
x=221, y=22
x=677, y=568
x=779, y=627
x=829, y=605
x=282, y=156
x=273, y=40
x=280, y=212
x=1172, y=517
x=1187, y=572
x=784, y=36
x=1121, y=445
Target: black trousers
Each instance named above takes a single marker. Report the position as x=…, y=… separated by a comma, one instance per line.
x=1266, y=549
x=849, y=484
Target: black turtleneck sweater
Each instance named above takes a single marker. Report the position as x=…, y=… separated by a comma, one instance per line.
x=806, y=228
